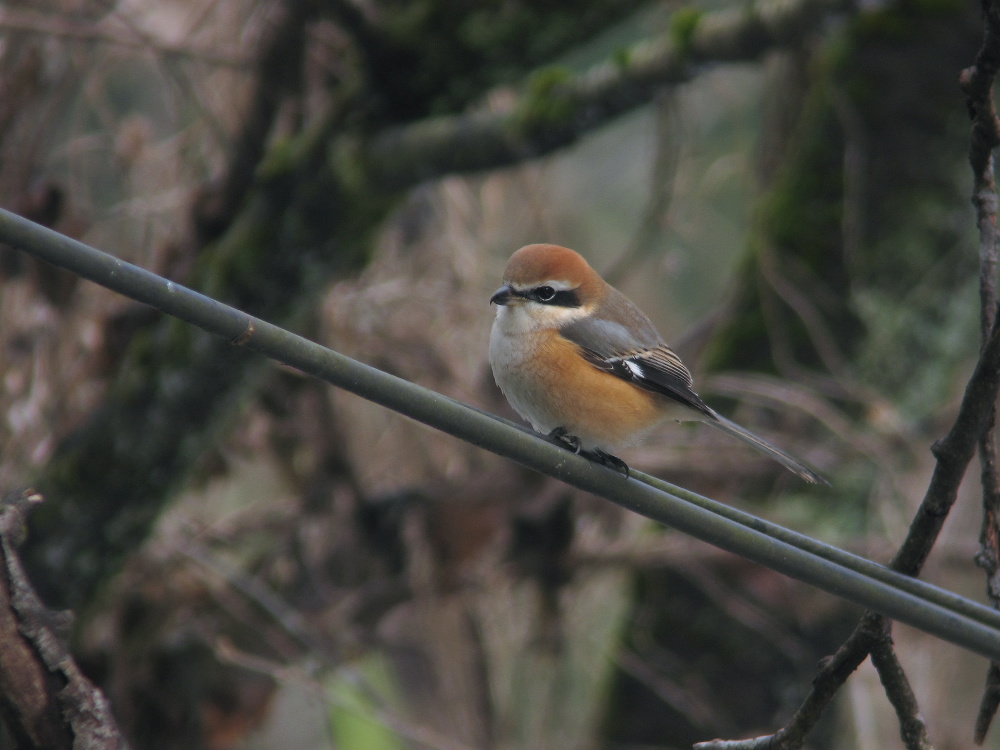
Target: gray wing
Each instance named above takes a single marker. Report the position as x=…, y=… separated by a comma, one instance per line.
x=630, y=347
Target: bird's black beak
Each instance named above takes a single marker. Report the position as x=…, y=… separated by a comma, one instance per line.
x=502, y=296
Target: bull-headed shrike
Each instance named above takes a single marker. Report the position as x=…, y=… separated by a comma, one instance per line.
x=579, y=361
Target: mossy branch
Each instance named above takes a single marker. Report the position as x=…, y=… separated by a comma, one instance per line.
x=541, y=119
x=314, y=202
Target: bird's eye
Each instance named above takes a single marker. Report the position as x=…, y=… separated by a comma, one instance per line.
x=545, y=294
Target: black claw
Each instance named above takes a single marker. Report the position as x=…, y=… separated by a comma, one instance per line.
x=606, y=459
x=571, y=442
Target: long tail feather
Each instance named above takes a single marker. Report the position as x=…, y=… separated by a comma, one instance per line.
x=793, y=465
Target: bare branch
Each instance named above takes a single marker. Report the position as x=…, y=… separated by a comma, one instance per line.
x=977, y=83
x=912, y=729
x=44, y=697
x=872, y=636
x=834, y=673
x=953, y=452
x=33, y=22
x=988, y=704
x=973, y=427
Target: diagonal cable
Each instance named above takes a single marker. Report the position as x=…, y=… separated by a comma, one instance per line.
x=941, y=613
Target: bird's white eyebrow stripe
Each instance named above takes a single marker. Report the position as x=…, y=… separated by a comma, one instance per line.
x=558, y=284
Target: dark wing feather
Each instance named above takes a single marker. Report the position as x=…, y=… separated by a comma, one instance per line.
x=632, y=349
x=658, y=370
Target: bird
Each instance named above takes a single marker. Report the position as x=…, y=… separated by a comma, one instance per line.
x=580, y=362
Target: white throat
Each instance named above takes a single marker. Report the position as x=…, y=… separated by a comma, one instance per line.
x=530, y=317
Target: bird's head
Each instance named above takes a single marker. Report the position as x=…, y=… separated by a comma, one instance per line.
x=550, y=282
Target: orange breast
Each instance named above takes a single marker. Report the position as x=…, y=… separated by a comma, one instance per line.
x=602, y=410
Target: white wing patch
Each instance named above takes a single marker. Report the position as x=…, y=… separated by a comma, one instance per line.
x=634, y=368
x=658, y=369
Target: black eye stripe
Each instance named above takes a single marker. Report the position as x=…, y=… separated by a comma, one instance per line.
x=566, y=298
x=558, y=298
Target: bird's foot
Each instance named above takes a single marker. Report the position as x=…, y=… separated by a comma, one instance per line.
x=606, y=459
x=572, y=442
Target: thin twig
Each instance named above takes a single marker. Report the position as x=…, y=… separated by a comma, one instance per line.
x=975, y=419
x=912, y=729
x=33, y=22
x=827, y=683
x=977, y=82
x=45, y=699
x=954, y=453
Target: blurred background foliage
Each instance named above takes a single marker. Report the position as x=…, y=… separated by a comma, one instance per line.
x=258, y=561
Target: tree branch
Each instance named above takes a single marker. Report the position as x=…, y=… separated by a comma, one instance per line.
x=977, y=83
x=872, y=636
x=912, y=729
x=953, y=453
x=975, y=420
x=833, y=674
x=45, y=700
x=557, y=107
x=315, y=203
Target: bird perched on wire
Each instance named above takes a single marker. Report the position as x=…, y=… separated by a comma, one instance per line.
x=578, y=360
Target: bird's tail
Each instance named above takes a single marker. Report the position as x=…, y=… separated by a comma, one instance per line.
x=793, y=465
